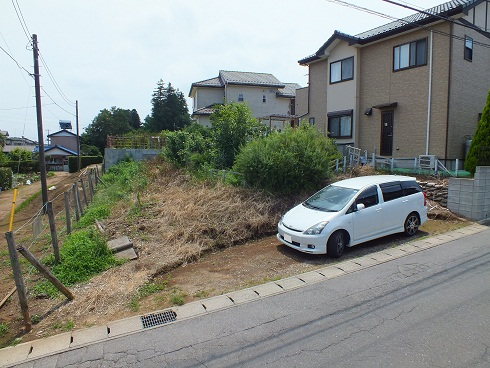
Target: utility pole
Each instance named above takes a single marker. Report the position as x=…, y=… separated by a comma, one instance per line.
x=42, y=160
x=79, y=161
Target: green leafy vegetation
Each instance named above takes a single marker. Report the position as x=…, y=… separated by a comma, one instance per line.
x=290, y=161
x=4, y=329
x=84, y=254
x=169, y=111
x=479, y=152
x=177, y=297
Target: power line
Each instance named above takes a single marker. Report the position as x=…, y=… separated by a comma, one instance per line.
x=51, y=98
x=21, y=20
x=374, y=12
x=23, y=24
x=15, y=61
x=407, y=6
x=56, y=85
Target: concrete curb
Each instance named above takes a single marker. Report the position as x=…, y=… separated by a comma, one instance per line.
x=32, y=350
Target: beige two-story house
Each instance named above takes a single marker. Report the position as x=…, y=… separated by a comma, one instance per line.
x=270, y=100
x=415, y=86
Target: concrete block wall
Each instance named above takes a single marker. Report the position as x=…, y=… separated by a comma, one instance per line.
x=113, y=155
x=470, y=198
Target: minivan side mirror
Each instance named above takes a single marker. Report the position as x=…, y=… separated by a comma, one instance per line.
x=360, y=206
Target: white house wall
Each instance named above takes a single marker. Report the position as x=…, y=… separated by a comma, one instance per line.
x=208, y=96
x=254, y=98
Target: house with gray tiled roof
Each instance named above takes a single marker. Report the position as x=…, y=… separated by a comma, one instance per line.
x=415, y=86
x=269, y=99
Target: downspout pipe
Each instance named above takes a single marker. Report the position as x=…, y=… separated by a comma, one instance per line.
x=429, y=95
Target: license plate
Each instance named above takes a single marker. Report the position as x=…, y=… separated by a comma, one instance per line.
x=288, y=238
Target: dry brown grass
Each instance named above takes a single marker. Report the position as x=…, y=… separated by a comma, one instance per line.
x=180, y=218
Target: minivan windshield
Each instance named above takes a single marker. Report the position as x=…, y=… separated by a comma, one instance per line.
x=330, y=199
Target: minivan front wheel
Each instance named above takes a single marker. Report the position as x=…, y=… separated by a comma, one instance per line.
x=412, y=224
x=336, y=244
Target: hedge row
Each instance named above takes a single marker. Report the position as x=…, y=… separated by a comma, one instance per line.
x=22, y=167
x=85, y=161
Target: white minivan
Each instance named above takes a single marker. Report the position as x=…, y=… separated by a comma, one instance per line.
x=353, y=211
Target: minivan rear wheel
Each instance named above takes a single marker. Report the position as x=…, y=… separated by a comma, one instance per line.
x=412, y=224
x=336, y=244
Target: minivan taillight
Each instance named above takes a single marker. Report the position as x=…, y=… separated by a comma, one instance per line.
x=425, y=198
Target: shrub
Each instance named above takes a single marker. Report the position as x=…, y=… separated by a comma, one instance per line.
x=233, y=126
x=293, y=160
x=480, y=144
x=189, y=148
x=5, y=178
x=84, y=254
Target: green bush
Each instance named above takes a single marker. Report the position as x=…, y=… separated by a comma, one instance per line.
x=5, y=178
x=480, y=144
x=232, y=127
x=83, y=255
x=289, y=161
x=189, y=148
x=84, y=162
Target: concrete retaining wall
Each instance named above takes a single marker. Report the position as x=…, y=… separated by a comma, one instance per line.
x=470, y=198
x=113, y=155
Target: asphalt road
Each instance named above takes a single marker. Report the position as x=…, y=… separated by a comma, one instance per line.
x=428, y=309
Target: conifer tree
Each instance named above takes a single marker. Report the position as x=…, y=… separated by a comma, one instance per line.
x=479, y=152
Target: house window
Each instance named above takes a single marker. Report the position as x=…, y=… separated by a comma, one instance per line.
x=410, y=55
x=468, y=48
x=340, y=124
x=264, y=100
x=240, y=97
x=311, y=121
x=342, y=70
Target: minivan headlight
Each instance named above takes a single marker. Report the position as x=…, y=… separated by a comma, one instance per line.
x=316, y=229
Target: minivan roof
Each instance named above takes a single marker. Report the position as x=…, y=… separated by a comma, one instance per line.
x=363, y=181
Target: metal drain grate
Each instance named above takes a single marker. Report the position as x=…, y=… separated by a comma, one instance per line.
x=157, y=319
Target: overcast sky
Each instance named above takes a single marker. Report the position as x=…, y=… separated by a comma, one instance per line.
x=107, y=53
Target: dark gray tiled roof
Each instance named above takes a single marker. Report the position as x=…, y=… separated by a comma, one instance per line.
x=289, y=90
x=439, y=10
x=208, y=110
x=250, y=78
x=213, y=82
x=419, y=18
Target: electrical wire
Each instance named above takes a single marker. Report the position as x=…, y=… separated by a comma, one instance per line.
x=23, y=24
x=410, y=7
x=15, y=61
x=374, y=12
x=22, y=21
x=56, y=85
x=51, y=98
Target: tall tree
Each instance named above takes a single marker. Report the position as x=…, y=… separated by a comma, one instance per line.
x=169, y=111
x=479, y=151
x=3, y=140
x=232, y=126
x=115, y=121
x=135, y=120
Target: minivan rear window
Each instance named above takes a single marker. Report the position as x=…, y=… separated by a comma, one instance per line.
x=391, y=191
x=410, y=187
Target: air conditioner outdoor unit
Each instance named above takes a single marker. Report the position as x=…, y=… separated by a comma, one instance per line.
x=427, y=161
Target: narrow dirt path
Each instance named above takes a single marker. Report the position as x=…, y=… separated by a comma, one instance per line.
x=59, y=180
